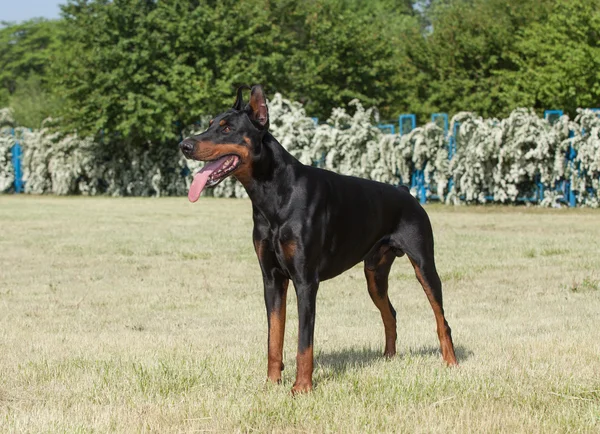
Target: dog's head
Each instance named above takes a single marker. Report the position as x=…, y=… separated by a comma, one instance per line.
x=231, y=143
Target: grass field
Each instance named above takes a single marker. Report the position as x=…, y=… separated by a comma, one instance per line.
x=147, y=315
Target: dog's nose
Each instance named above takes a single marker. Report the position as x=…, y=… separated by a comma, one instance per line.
x=187, y=146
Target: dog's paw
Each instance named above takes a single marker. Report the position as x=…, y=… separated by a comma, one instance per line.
x=301, y=388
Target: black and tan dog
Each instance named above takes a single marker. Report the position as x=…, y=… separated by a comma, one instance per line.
x=311, y=224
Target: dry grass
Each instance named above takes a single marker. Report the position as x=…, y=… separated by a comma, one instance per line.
x=142, y=315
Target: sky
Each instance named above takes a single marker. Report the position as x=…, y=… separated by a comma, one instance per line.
x=21, y=10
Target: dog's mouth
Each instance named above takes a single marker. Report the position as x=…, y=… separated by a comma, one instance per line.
x=211, y=174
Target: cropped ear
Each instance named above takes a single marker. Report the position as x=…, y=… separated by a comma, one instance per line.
x=259, y=113
x=239, y=101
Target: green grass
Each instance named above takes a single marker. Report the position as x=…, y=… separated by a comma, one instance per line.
x=147, y=315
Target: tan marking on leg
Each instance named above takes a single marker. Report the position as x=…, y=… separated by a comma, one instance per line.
x=276, y=338
x=443, y=329
x=289, y=249
x=304, y=372
x=383, y=304
x=259, y=248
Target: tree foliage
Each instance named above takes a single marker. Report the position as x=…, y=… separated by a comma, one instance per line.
x=141, y=69
x=557, y=59
x=27, y=52
x=135, y=72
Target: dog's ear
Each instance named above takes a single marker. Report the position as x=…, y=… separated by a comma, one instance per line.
x=259, y=113
x=239, y=101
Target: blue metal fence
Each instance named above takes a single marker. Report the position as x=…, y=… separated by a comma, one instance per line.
x=441, y=120
x=406, y=124
x=17, y=154
x=387, y=128
x=563, y=185
x=552, y=116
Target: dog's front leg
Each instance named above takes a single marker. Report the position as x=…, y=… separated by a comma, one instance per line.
x=275, y=297
x=306, y=292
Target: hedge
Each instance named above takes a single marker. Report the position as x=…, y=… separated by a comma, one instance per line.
x=496, y=160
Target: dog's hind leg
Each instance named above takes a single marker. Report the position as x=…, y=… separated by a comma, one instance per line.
x=416, y=240
x=430, y=281
x=377, y=270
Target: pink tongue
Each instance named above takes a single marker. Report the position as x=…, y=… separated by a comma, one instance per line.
x=201, y=178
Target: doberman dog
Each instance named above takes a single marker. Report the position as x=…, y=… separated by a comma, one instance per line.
x=311, y=225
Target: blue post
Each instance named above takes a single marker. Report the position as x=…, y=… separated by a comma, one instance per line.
x=538, y=194
x=444, y=119
x=591, y=190
x=422, y=191
x=552, y=115
x=412, y=119
x=316, y=121
x=417, y=180
x=572, y=196
x=452, y=141
x=390, y=127
x=17, y=153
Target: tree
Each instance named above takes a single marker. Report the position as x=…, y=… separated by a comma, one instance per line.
x=338, y=54
x=141, y=69
x=557, y=60
x=467, y=49
x=27, y=51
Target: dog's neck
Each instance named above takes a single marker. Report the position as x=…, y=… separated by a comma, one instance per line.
x=272, y=163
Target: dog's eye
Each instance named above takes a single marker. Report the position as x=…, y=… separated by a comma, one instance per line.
x=226, y=129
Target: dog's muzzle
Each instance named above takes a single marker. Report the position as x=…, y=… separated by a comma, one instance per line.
x=187, y=147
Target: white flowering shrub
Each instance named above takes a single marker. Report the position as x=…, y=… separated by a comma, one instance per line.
x=290, y=125
x=7, y=174
x=584, y=170
x=472, y=166
x=7, y=141
x=505, y=161
x=68, y=164
x=424, y=149
x=343, y=143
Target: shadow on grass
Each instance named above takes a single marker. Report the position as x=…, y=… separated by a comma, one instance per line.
x=341, y=361
x=461, y=352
